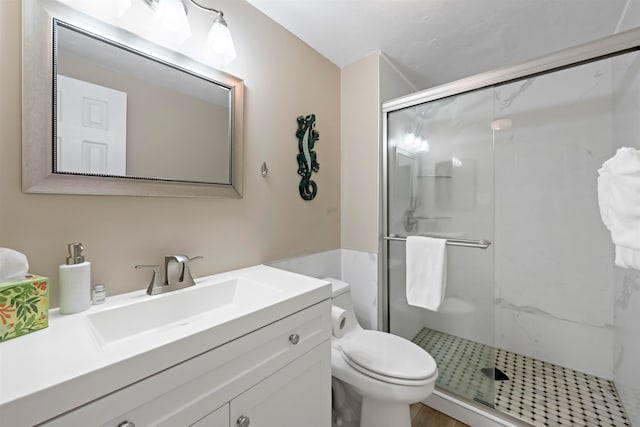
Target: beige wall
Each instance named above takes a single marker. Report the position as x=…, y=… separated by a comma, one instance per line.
x=284, y=78
x=366, y=84
x=359, y=133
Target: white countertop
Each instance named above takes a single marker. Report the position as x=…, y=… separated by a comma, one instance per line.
x=64, y=366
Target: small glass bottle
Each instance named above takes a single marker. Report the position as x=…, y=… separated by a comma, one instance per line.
x=99, y=294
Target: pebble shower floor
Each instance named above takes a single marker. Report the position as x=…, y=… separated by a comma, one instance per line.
x=537, y=392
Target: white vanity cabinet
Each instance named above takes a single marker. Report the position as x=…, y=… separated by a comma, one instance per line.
x=294, y=396
x=277, y=375
x=218, y=418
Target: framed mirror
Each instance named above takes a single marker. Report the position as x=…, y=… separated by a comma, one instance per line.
x=107, y=112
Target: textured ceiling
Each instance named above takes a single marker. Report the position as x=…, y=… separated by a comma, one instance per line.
x=436, y=41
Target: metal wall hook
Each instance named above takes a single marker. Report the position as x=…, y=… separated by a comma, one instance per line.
x=264, y=170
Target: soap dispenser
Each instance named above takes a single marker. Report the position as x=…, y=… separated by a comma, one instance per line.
x=75, y=281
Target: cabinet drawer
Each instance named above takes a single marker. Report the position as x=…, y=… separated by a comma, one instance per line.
x=185, y=393
x=297, y=395
x=218, y=418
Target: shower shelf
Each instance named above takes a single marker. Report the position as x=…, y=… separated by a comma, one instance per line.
x=431, y=218
x=434, y=176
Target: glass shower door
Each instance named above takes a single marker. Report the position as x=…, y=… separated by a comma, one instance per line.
x=440, y=184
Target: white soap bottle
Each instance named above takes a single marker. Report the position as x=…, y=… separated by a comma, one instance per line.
x=75, y=281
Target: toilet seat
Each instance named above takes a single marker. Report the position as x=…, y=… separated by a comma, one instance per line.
x=388, y=358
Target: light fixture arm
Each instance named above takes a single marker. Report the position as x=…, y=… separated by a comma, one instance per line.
x=205, y=8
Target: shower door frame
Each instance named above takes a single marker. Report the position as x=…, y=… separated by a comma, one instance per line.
x=617, y=44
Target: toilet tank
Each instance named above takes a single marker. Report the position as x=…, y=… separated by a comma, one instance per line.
x=340, y=293
x=341, y=297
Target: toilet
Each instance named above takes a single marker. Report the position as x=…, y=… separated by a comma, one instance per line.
x=387, y=371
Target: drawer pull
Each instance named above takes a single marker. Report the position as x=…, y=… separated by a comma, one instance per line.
x=294, y=339
x=243, y=421
x=127, y=424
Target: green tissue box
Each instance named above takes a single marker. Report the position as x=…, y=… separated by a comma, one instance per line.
x=24, y=306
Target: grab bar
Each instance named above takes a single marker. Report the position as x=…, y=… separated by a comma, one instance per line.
x=481, y=244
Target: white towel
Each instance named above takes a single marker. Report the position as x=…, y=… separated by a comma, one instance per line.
x=619, y=202
x=426, y=271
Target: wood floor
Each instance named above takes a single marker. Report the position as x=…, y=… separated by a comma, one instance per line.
x=424, y=416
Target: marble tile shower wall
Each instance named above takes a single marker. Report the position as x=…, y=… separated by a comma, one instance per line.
x=553, y=260
x=626, y=132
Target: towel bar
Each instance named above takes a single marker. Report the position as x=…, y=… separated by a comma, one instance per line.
x=481, y=244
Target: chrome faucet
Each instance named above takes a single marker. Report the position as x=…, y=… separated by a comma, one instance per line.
x=176, y=274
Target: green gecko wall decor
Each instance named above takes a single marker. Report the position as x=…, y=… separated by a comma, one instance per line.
x=307, y=164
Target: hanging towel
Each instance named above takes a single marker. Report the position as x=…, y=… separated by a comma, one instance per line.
x=426, y=271
x=619, y=202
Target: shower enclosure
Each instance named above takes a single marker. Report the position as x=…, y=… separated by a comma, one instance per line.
x=537, y=322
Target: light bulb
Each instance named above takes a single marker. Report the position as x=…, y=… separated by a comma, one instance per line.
x=172, y=16
x=220, y=43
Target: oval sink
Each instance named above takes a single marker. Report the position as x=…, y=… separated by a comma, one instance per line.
x=216, y=302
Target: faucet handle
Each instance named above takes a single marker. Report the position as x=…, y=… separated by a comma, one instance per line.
x=177, y=270
x=186, y=272
x=156, y=281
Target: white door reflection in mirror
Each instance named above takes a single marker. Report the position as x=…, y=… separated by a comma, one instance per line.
x=91, y=128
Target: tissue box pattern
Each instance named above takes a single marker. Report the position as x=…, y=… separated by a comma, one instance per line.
x=24, y=306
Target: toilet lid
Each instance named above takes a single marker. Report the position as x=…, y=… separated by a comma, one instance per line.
x=388, y=356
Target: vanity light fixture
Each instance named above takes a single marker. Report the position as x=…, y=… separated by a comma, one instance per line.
x=219, y=39
x=172, y=15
